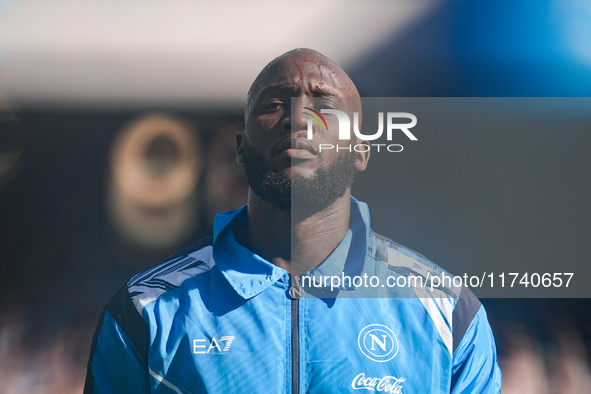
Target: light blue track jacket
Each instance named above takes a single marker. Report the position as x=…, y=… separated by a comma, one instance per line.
x=218, y=318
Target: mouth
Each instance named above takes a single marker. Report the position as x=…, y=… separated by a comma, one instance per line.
x=296, y=147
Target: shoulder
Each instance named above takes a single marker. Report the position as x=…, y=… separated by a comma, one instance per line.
x=404, y=261
x=443, y=294
x=151, y=283
x=123, y=319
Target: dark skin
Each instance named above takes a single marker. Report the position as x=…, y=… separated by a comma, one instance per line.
x=296, y=241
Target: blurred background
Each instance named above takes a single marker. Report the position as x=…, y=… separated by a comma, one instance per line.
x=117, y=127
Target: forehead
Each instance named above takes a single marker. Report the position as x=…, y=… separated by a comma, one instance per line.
x=305, y=74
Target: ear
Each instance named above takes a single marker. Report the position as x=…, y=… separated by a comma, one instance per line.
x=362, y=158
x=240, y=146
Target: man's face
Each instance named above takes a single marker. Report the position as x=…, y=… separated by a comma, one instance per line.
x=282, y=165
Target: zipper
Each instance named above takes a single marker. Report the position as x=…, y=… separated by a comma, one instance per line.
x=295, y=292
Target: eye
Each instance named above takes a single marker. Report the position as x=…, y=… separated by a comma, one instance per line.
x=272, y=106
x=327, y=103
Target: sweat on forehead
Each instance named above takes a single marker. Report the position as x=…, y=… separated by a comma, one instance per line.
x=308, y=61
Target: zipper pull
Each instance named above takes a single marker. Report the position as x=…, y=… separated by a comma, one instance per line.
x=296, y=291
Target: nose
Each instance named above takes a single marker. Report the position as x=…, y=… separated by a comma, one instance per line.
x=296, y=120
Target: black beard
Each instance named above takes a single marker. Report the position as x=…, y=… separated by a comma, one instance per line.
x=297, y=193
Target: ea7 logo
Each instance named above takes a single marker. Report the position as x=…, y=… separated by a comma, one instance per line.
x=201, y=346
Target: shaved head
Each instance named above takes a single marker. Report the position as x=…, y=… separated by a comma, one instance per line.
x=302, y=59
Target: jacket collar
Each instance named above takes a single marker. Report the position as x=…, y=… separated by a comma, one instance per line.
x=348, y=258
x=249, y=274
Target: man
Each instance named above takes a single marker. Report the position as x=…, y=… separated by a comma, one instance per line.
x=225, y=315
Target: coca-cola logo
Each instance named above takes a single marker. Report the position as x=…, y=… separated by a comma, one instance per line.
x=386, y=384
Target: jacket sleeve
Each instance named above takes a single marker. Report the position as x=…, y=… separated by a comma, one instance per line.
x=475, y=368
x=119, y=353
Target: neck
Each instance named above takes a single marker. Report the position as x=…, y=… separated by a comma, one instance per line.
x=294, y=241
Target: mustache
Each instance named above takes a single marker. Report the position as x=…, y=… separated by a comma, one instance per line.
x=295, y=143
